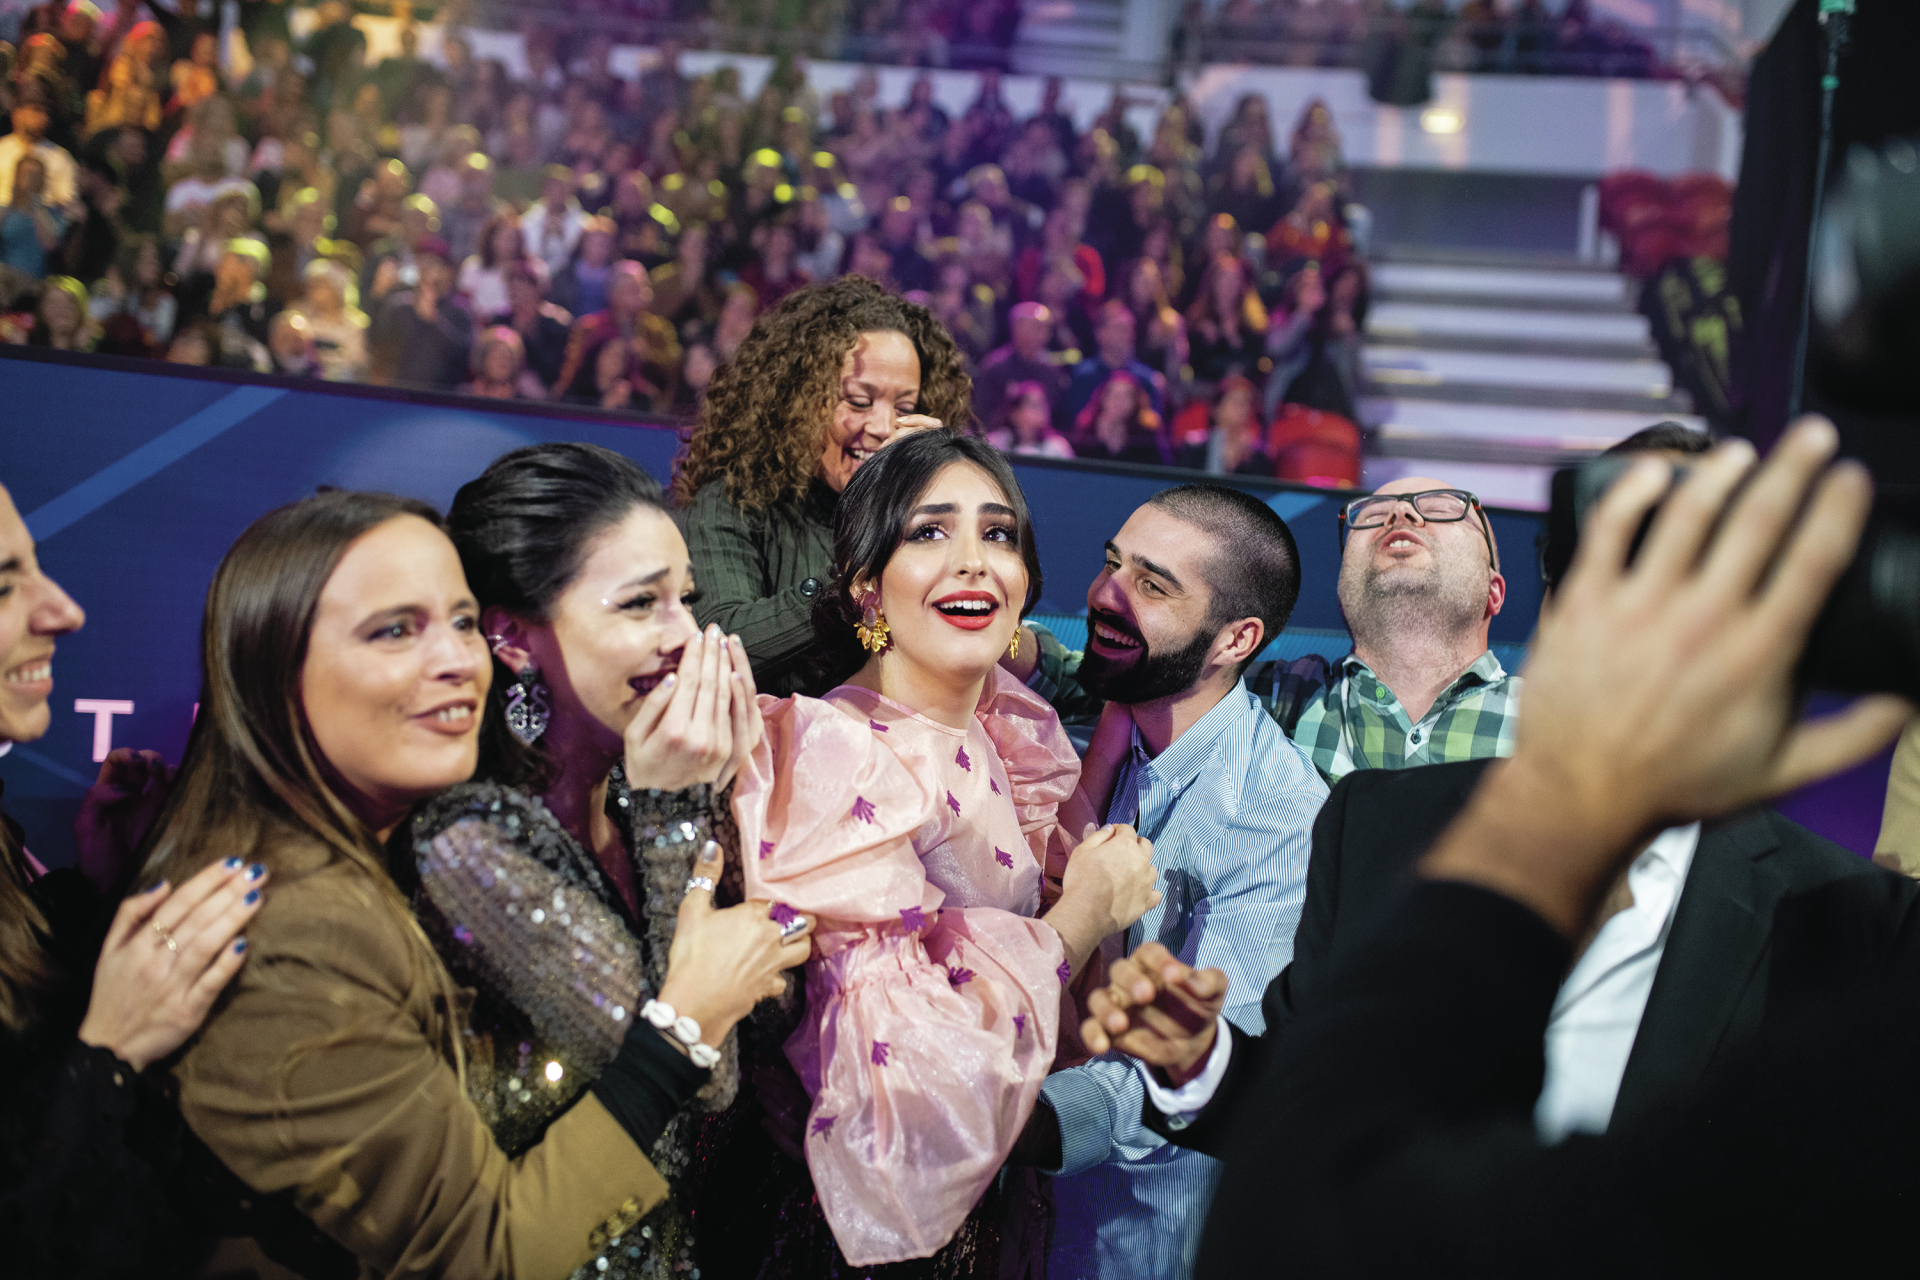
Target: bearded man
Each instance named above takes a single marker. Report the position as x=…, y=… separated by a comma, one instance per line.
x=1195, y=584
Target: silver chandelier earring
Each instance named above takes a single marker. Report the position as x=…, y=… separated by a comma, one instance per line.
x=527, y=709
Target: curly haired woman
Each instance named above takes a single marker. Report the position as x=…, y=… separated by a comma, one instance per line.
x=831, y=374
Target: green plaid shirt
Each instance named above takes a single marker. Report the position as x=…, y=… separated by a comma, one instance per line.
x=1340, y=713
x=1346, y=719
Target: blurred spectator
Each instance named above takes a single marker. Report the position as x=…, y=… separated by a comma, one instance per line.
x=653, y=364
x=30, y=227
x=1246, y=190
x=965, y=309
x=134, y=286
x=290, y=346
x=29, y=137
x=421, y=335
x=553, y=223
x=463, y=219
x=737, y=314
x=196, y=77
x=131, y=94
x=1024, y=425
x=1330, y=378
x=1235, y=442
x=1119, y=425
x=1024, y=359
x=543, y=328
x=774, y=270
x=1290, y=332
x=685, y=290
x=1161, y=331
x=1311, y=230
x=1115, y=336
x=61, y=320
x=581, y=287
x=239, y=307
x=500, y=368
x=483, y=276
x=393, y=261
x=335, y=322
x=1227, y=323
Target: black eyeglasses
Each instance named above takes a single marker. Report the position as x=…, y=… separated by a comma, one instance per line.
x=1434, y=506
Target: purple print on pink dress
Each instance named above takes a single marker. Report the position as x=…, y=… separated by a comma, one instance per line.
x=959, y=977
x=994, y=785
x=823, y=1125
x=1019, y=1025
x=913, y=919
x=863, y=808
x=1002, y=857
x=876, y=726
x=782, y=914
x=766, y=847
x=1065, y=971
x=953, y=804
x=962, y=760
x=880, y=1051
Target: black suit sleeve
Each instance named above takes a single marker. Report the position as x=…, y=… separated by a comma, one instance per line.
x=1395, y=1134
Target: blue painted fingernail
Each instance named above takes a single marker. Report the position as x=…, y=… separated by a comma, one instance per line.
x=233, y=864
x=239, y=945
x=253, y=896
x=257, y=870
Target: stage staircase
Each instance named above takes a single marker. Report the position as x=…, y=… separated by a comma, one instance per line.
x=1492, y=371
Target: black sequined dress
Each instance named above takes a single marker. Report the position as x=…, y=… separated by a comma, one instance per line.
x=524, y=915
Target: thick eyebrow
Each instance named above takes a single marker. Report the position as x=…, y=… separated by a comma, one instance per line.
x=1157, y=571
x=398, y=611
x=997, y=509
x=10, y=565
x=935, y=509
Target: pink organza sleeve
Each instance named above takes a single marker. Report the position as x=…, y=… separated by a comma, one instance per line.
x=1043, y=769
x=929, y=1028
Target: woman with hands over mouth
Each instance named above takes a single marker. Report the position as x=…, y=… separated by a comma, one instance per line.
x=826, y=378
x=920, y=812
x=614, y=726
x=81, y=1138
x=344, y=679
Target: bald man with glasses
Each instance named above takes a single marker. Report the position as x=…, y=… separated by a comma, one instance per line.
x=1420, y=584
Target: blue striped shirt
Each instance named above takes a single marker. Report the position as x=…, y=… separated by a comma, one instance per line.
x=1229, y=806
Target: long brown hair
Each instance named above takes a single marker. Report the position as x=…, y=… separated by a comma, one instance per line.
x=763, y=426
x=26, y=969
x=254, y=783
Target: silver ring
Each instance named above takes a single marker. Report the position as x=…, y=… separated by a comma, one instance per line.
x=793, y=926
x=699, y=882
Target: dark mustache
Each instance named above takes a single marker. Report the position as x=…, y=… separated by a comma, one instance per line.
x=1115, y=621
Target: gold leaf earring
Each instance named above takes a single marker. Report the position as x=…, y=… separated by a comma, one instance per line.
x=872, y=627
x=1013, y=650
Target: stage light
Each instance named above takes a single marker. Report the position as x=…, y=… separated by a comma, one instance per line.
x=1441, y=120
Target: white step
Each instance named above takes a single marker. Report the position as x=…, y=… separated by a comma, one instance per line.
x=1409, y=321
x=1584, y=430
x=1500, y=283
x=1415, y=367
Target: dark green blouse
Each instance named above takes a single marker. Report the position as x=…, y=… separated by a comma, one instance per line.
x=759, y=573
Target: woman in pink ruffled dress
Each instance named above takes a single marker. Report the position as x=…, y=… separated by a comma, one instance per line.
x=921, y=812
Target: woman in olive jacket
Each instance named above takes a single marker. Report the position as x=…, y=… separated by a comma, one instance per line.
x=831, y=374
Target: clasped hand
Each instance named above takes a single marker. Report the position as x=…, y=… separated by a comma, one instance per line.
x=700, y=722
x=1157, y=1009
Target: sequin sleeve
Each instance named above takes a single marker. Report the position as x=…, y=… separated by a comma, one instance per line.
x=527, y=937
x=929, y=1025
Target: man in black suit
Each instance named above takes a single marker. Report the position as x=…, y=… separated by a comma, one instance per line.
x=1709, y=984
x=1391, y=1128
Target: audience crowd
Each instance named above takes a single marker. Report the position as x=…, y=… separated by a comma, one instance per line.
x=578, y=236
